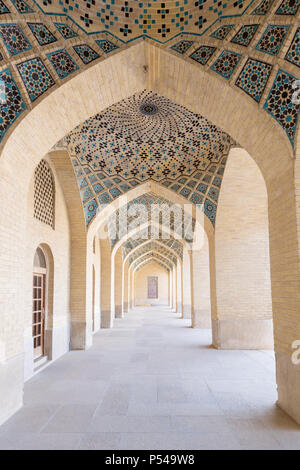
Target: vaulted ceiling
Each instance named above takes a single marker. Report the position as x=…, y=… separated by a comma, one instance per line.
x=153, y=256
x=160, y=20
x=164, y=238
x=148, y=137
x=153, y=246
x=152, y=259
x=251, y=45
x=119, y=223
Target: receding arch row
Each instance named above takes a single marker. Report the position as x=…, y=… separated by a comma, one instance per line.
x=150, y=260
x=153, y=246
x=261, y=140
x=152, y=254
x=164, y=238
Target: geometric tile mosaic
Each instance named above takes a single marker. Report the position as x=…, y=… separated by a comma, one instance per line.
x=245, y=35
x=222, y=32
x=86, y=53
x=14, y=39
x=293, y=53
x=203, y=54
x=65, y=30
x=22, y=6
x=3, y=8
x=272, y=39
x=263, y=8
x=116, y=22
x=42, y=33
x=152, y=246
x=153, y=256
x=36, y=77
x=126, y=20
x=288, y=7
x=146, y=137
x=254, y=77
x=106, y=46
x=150, y=201
x=182, y=46
x=11, y=102
x=226, y=63
x=279, y=103
x=164, y=238
x=62, y=62
x=90, y=210
x=210, y=210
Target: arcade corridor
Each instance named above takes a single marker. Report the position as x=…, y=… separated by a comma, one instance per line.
x=153, y=382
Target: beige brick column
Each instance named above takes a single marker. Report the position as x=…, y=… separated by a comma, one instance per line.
x=170, y=277
x=129, y=288
x=285, y=274
x=201, y=314
x=179, y=286
x=187, y=292
x=116, y=284
x=174, y=275
x=97, y=293
x=133, y=288
x=125, y=287
x=243, y=285
x=106, y=314
x=80, y=303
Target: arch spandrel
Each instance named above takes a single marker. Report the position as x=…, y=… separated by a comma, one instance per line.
x=64, y=59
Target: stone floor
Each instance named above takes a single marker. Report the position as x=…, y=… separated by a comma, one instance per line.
x=153, y=383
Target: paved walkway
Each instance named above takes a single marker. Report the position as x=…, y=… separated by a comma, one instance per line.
x=153, y=383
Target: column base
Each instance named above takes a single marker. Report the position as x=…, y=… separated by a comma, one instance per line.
x=179, y=307
x=125, y=307
x=106, y=319
x=80, y=337
x=201, y=318
x=186, y=311
x=12, y=382
x=288, y=385
x=118, y=311
x=243, y=334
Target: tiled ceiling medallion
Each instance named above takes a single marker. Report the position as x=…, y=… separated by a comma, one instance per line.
x=149, y=137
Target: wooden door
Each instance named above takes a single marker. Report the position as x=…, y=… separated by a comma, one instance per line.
x=38, y=314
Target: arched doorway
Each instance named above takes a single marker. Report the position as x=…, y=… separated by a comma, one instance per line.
x=39, y=303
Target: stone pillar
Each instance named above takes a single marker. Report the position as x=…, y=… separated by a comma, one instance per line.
x=170, y=289
x=81, y=257
x=97, y=293
x=125, y=287
x=201, y=315
x=116, y=285
x=186, y=281
x=129, y=288
x=243, y=285
x=174, y=276
x=106, y=314
x=179, y=286
x=132, y=288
